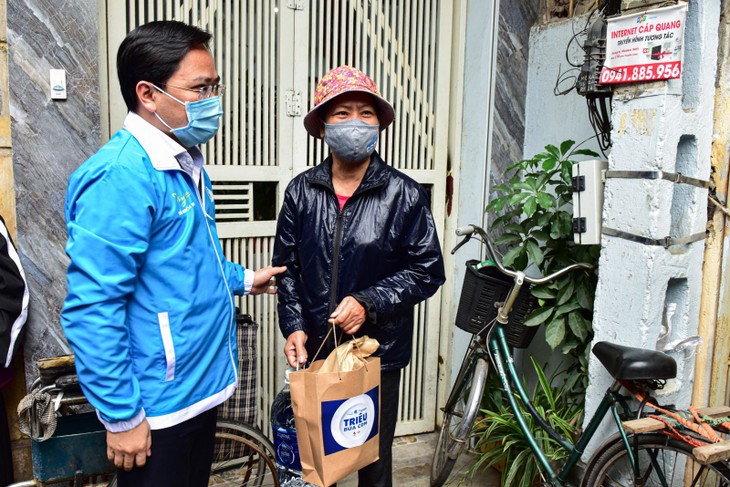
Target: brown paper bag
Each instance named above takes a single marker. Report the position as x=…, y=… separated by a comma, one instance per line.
x=337, y=417
x=351, y=355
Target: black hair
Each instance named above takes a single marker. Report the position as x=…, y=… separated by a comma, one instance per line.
x=152, y=52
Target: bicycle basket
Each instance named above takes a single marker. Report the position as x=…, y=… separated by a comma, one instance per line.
x=482, y=289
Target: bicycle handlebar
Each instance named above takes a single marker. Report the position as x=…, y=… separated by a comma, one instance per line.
x=469, y=230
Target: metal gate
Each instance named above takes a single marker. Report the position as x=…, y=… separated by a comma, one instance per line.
x=270, y=55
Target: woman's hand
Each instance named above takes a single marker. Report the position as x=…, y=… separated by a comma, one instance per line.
x=349, y=315
x=296, y=353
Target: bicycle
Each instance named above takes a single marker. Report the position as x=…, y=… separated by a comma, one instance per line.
x=642, y=452
x=244, y=456
x=69, y=443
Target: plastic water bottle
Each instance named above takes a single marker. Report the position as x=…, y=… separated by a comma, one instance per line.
x=288, y=466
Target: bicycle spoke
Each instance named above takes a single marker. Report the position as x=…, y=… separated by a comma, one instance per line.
x=661, y=462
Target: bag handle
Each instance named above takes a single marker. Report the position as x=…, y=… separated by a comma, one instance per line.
x=325, y=341
x=333, y=330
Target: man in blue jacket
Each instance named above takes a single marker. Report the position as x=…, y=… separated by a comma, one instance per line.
x=150, y=312
x=359, y=243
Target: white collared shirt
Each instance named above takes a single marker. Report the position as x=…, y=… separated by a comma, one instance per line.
x=164, y=152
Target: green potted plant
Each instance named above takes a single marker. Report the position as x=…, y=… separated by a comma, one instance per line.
x=535, y=218
x=499, y=443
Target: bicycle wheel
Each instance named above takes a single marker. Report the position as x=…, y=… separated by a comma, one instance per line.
x=459, y=415
x=662, y=461
x=243, y=456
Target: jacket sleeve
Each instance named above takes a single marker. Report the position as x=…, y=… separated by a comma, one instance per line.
x=239, y=278
x=109, y=212
x=422, y=272
x=286, y=254
x=13, y=297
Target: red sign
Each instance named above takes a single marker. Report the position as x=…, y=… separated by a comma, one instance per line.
x=644, y=47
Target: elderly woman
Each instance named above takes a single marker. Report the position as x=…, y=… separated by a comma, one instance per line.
x=359, y=243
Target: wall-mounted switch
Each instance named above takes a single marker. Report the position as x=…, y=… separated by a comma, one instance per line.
x=58, y=84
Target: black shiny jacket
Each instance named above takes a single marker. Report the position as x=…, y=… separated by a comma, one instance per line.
x=382, y=249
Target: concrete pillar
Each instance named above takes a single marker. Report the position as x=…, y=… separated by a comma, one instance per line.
x=664, y=126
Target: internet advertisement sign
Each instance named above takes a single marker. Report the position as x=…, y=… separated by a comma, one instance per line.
x=645, y=47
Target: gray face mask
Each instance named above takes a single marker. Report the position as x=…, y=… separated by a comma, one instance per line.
x=352, y=140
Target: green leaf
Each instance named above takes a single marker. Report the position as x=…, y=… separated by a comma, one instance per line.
x=567, y=308
x=545, y=200
x=538, y=316
x=579, y=326
x=530, y=206
x=518, y=198
x=542, y=179
x=584, y=152
x=540, y=235
x=510, y=256
x=544, y=220
x=501, y=220
x=553, y=151
x=533, y=252
x=501, y=188
x=497, y=204
x=584, y=293
x=543, y=292
x=568, y=347
x=555, y=333
x=508, y=239
x=566, y=172
x=549, y=164
x=566, y=293
x=514, y=228
x=566, y=145
x=546, y=390
x=522, y=185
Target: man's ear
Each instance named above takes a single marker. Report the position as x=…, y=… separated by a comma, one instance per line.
x=145, y=95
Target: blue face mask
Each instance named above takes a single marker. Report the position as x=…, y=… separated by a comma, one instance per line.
x=352, y=140
x=203, y=120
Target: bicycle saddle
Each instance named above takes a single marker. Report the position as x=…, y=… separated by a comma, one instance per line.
x=629, y=363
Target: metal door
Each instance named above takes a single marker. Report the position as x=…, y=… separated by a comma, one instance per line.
x=271, y=55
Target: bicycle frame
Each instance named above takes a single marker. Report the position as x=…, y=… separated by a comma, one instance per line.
x=501, y=356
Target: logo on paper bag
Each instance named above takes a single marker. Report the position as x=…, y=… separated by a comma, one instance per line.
x=351, y=421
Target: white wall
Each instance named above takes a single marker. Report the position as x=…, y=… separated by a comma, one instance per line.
x=665, y=126
x=550, y=119
x=470, y=150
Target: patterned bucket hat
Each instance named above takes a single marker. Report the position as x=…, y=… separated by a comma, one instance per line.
x=345, y=79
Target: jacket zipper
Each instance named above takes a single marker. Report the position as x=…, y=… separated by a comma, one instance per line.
x=334, y=283
x=336, y=260
x=200, y=193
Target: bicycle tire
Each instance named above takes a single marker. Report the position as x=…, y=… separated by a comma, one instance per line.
x=243, y=456
x=459, y=415
x=612, y=467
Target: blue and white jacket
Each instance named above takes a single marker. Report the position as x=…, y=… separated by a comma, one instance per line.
x=149, y=313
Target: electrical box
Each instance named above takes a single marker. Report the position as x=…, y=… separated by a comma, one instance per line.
x=588, y=201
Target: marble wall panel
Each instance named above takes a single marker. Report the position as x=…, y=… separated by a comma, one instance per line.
x=516, y=18
x=50, y=139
